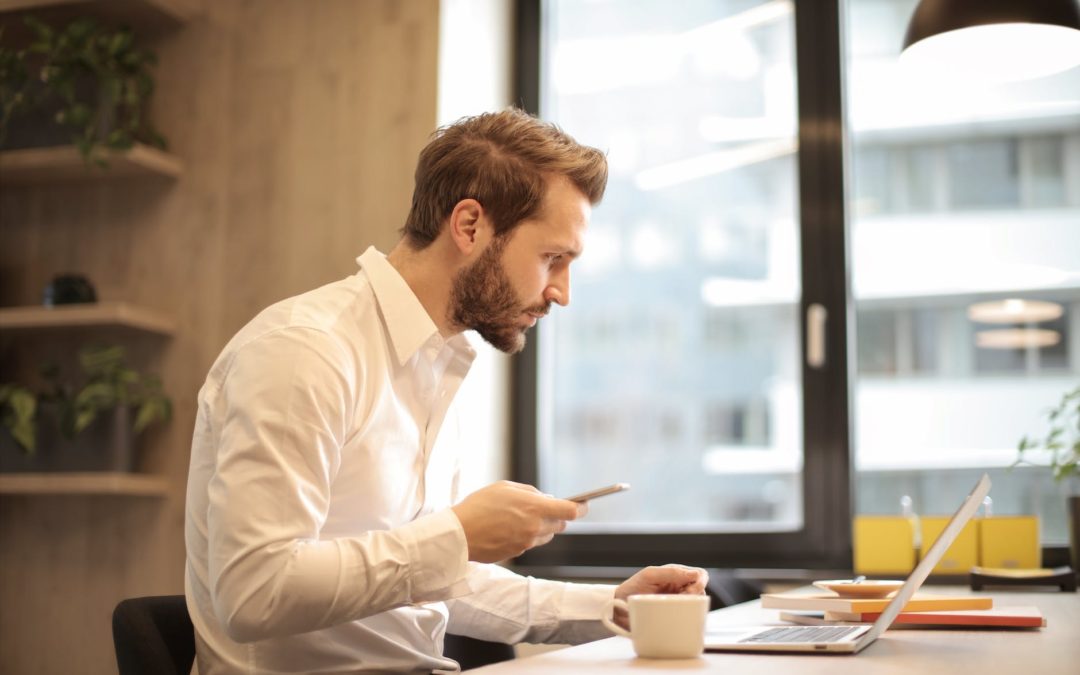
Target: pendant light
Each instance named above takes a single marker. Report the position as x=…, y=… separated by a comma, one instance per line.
x=993, y=40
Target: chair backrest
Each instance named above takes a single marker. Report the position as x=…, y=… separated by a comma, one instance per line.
x=153, y=636
x=472, y=652
x=726, y=589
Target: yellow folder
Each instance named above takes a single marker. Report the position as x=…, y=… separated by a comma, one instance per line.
x=962, y=555
x=883, y=544
x=1010, y=541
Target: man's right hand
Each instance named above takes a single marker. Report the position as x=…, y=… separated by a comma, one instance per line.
x=506, y=519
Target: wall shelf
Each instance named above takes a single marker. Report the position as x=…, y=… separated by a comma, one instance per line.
x=96, y=314
x=64, y=164
x=145, y=17
x=88, y=483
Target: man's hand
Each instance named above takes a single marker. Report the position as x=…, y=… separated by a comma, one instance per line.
x=506, y=519
x=674, y=579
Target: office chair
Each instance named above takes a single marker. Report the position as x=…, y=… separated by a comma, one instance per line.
x=726, y=589
x=472, y=653
x=153, y=636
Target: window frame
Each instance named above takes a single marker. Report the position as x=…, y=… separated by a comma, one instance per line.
x=825, y=538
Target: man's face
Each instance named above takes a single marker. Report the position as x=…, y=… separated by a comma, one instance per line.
x=516, y=277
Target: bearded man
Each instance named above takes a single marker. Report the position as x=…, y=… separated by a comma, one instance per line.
x=323, y=529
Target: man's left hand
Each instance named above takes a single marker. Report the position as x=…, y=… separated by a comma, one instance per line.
x=674, y=579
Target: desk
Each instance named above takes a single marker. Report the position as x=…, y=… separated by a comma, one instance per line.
x=1048, y=651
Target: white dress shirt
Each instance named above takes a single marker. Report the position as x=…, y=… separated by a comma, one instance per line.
x=318, y=529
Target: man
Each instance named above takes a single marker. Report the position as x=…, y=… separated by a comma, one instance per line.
x=323, y=529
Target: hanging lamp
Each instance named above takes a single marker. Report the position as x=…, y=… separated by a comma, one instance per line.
x=993, y=40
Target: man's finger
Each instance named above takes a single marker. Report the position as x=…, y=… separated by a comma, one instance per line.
x=543, y=539
x=562, y=509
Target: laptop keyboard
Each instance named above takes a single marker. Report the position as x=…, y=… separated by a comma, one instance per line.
x=802, y=634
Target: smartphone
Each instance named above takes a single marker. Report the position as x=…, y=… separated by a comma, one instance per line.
x=593, y=494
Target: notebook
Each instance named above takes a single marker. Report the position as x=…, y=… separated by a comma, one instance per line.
x=849, y=639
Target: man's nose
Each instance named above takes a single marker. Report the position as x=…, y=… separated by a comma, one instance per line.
x=558, y=291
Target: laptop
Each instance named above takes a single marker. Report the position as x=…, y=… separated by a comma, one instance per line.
x=847, y=639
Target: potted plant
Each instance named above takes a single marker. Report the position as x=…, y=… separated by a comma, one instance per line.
x=1061, y=449
x=83, y=83
x=82, y=424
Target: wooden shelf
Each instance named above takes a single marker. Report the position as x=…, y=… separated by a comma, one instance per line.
x=89, y=483
x=65, y=164
x=146, y=17
x=96, y=314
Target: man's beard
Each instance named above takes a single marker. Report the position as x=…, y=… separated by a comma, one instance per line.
x=483, y=299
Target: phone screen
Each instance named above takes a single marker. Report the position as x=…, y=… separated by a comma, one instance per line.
x=593, y=494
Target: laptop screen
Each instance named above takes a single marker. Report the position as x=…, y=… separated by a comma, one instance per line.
x=926, y=565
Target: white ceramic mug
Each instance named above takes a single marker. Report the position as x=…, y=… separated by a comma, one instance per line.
x=663, y=626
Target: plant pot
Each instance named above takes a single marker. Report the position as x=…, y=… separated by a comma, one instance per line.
x=106, y=445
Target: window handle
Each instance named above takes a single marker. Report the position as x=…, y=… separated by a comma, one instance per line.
x=816, y=314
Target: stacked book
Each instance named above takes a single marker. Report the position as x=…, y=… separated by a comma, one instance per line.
x=921, y=610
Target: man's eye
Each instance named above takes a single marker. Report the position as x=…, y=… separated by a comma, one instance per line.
x=554, y=258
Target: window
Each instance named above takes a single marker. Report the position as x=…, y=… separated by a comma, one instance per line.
x=680, y=368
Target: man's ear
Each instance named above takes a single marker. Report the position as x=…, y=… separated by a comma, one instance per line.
x=468, y=225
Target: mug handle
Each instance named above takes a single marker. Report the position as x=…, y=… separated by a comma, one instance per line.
x=605, y=618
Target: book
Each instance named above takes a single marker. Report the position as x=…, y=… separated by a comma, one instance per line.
x=828, y=602
x=1005, y=617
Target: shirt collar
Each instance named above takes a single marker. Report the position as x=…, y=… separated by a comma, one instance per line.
x=408, y=323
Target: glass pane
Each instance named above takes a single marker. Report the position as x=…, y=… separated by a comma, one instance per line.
x=960, y=195
x=676, y=367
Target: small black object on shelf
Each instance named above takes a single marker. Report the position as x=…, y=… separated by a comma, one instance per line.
x=69, y=289
x=1062, y=577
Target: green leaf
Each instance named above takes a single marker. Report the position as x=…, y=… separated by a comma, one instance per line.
x=79, y=115
x=120, y=41
x=41, y=30
x=83, y=419
x=23, y=404
x=26, y=436
x=150, y=412
x=97, y=359
x=97, y=396
x=127, y=375
x=19, y=406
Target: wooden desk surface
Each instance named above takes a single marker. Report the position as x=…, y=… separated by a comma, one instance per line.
x=1047, y=651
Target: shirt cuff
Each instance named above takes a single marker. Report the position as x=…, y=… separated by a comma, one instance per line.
x=439, y=554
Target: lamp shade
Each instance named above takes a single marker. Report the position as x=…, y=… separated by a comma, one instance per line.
x=999, y=40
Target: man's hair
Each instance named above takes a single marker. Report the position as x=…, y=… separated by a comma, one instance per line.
x=503, y=161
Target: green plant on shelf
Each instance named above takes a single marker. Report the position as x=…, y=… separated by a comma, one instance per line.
x=107, y=382
x=52, y=74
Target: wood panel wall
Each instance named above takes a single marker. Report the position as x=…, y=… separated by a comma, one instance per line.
x=299, y=123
